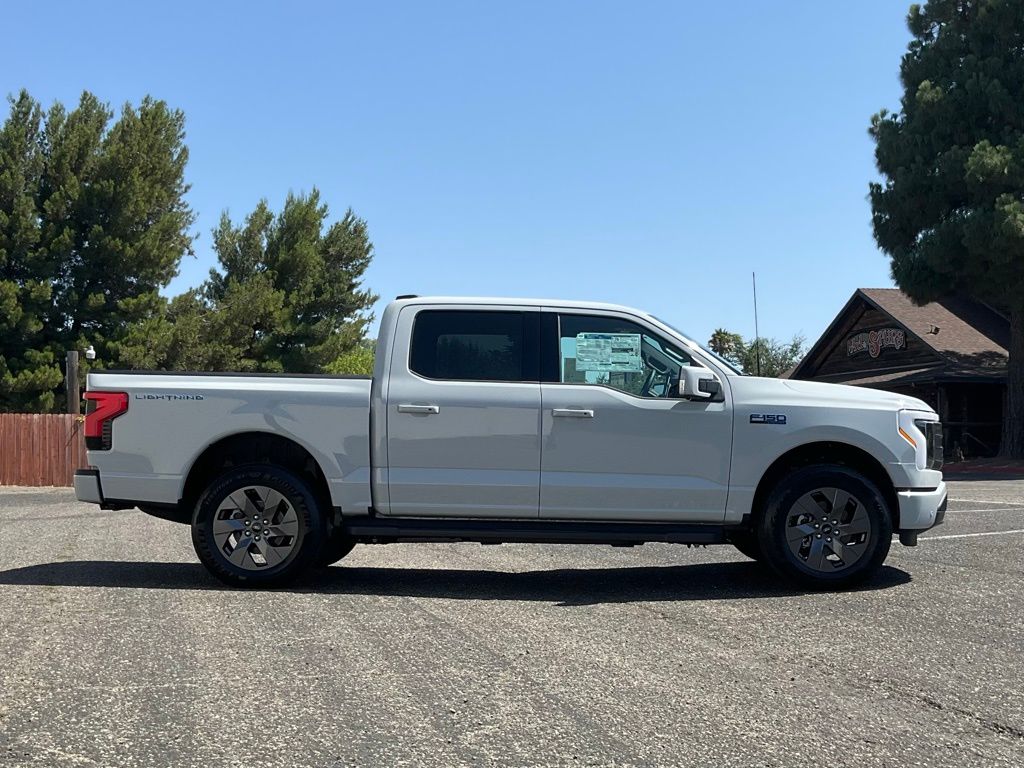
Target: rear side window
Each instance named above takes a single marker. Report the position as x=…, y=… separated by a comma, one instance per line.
x=469, y=345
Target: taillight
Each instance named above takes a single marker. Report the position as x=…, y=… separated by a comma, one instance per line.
x=101, y=408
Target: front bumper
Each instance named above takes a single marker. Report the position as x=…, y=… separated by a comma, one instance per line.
x=920, y=510
x=87, y=486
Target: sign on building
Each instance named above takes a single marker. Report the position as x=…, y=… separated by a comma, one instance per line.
x=873, y=342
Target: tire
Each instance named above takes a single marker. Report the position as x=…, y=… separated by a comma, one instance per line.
x=239, y=508
x=336, y=548
x=747, y=543
x=825, y=527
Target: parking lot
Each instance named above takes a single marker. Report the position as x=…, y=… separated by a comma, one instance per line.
x=118, y=650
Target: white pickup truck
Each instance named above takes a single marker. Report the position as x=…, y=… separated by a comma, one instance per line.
x=498, y=420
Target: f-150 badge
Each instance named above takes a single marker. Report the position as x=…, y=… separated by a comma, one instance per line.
x=767, y=418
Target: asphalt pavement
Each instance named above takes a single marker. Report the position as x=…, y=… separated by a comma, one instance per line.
x=117, y=649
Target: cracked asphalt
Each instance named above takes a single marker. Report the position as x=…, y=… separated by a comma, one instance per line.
x=118, y=650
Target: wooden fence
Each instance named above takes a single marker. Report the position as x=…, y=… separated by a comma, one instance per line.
x=40, y=448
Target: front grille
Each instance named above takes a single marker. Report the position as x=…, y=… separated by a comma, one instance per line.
x=932, y=431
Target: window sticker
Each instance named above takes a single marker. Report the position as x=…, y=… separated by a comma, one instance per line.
x=618, y=352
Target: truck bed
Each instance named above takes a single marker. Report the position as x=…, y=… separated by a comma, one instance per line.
x=172, y=418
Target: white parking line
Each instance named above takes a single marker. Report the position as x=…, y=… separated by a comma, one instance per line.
x=970, y=535
x=989, y=501
x=994, y=509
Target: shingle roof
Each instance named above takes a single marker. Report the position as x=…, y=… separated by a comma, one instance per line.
x=968, y=331
x=970, y=338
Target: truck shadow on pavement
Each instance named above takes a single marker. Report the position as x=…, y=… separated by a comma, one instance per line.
x=564, y=586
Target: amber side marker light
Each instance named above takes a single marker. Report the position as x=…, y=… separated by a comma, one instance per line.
x=907, y=437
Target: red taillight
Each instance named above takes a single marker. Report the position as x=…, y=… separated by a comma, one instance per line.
x=102, y=408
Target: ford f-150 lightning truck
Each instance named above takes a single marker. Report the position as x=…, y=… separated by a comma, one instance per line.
x=510, y=420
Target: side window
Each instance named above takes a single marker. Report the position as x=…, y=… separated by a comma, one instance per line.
x=618, y=354
x=467, y=345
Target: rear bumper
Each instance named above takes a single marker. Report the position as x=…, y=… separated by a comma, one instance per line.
x=922, y=509
x=87, y=486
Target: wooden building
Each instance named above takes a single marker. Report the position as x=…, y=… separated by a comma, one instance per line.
x=950, y=353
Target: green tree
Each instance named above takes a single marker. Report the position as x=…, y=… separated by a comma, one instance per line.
x=950, y=210
x=286, y=299
x=289, y=293
x=182, y=334
x=358, y=361
x=771, y=356
x=775, y=357
x=29, y=370
x=726, y=344
x=93, y=222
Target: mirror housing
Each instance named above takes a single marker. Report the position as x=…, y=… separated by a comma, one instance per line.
x=699, y=384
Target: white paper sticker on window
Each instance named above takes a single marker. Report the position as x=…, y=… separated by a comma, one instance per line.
x=608, y=352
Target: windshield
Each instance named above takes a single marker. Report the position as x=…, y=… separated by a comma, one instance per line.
x=730, y=365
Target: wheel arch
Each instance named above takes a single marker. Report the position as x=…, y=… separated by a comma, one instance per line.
x=826, y=452
x=251, y=447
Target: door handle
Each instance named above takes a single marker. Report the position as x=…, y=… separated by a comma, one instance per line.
x=424, y=409
x=573, y=413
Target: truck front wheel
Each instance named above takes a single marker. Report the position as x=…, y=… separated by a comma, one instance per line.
x=337, y=547
x=747, y=543
x=258, y=525
x=825, y=526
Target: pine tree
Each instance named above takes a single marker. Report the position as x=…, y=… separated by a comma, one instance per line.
x=950, y=212
x=93, y=222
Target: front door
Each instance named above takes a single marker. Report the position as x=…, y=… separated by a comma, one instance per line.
x=463, y=413
x=616, y=442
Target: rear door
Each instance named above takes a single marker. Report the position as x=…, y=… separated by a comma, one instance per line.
x=616, y=442
x=463, y=412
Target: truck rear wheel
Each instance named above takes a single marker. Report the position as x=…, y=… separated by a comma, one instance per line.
x=825, y=527
x=258, y=525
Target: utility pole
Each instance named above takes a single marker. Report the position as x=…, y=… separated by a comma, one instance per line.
x=71, y=383
x=757, y=333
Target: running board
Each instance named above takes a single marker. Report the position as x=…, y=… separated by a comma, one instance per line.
x=376, y=530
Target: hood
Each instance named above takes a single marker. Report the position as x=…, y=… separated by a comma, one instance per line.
x=755, y=389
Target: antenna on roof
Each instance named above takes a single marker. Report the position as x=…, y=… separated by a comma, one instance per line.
x=757, y=333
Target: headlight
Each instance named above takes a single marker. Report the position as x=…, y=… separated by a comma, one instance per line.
x=932, y=431
x=924, y=432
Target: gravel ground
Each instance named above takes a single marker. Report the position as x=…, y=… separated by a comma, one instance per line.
x=119, y=650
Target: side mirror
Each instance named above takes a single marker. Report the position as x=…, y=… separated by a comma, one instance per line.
x=699, y=384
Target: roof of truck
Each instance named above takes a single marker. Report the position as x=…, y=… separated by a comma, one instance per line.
x=527, y=302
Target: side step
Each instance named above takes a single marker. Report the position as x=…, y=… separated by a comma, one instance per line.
x=375, y=530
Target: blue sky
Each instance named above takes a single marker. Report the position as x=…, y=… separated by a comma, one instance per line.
x=652, y=154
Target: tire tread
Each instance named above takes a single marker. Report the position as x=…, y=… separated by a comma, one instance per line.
x=299, y=495
x=771, y=533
